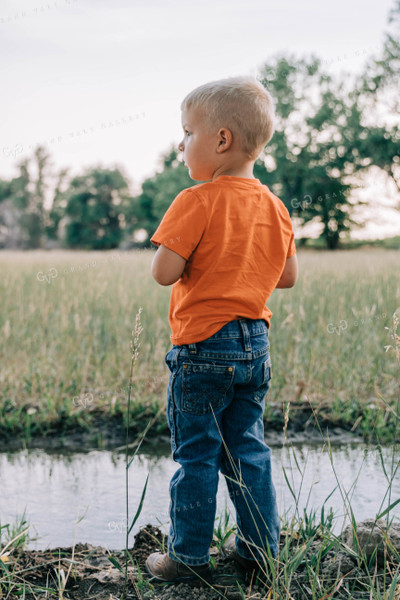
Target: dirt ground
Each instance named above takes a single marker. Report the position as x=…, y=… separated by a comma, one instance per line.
x=86, y=573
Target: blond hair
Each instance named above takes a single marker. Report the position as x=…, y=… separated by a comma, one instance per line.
x=242, y=105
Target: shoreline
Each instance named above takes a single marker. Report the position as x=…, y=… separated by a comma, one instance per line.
x=108, y=433
x=87, y=571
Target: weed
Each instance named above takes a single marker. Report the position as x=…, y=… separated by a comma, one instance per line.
x=223, y=529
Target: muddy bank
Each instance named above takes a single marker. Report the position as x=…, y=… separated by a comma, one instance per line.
x=108, y=433
x=89, y=572
x=86, y=572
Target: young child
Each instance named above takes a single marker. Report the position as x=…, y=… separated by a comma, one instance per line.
x=225, y=245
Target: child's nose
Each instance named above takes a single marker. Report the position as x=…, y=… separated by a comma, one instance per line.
x=181, y=147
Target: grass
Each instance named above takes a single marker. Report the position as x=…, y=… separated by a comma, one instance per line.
x=313, y=562
x=66, y=321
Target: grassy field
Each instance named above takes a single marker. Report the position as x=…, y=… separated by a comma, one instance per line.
x=66, y=325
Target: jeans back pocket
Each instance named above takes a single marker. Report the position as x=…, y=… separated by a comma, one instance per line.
x=204, y=387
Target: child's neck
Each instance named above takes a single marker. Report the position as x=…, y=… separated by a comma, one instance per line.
x=245, y=171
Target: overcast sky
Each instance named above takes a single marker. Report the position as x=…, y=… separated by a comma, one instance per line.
x=100, y=83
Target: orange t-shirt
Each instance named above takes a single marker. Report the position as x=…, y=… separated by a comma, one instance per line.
x=235, y=235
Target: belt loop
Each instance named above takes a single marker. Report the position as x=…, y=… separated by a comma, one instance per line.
x=192, y=349
x=246, y=335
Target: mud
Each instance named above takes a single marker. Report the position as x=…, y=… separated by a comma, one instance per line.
x=88, y=572
x=108, y=433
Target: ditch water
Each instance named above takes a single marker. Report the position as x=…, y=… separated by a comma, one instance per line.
x=57, y=490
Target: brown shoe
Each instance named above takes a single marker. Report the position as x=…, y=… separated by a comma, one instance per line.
x=165, y=570
x=244, y=564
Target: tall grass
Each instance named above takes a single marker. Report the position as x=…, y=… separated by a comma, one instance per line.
x=66, y=321
x=313, y=562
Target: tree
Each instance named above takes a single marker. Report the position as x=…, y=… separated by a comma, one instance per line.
x=383, y=71
x=10, y=231
x=147, y=209
x=23, y=211
x=96, y=202
x=305, y=161
x=57, y=210
x=377, y=132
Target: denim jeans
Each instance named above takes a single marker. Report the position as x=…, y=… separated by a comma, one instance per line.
x=216, y=400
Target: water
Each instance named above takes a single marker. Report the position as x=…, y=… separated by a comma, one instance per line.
x=57, y=490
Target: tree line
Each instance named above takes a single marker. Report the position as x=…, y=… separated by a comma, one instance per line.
x=330, y=132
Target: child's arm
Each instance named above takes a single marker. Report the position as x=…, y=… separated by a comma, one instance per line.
x=167, y=266
x=289, y=273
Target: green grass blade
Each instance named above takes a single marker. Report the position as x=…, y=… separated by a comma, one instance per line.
x=139, y=510
x=139, y=444
x=388, y=509
x=288, y=484
x=297, y=463
x=115, y=563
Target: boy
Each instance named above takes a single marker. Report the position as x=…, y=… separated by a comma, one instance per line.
x=225, y=245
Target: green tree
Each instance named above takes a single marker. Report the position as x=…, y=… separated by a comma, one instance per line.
x=147, y=209
x=382, y=71
x=10, y=232
x=376, y=106
x=305, y=162
x=57, y=210
x=96, y=203
x=23, y=202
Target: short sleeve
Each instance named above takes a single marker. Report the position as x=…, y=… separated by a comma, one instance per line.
x=292, y=248
x=183, y=224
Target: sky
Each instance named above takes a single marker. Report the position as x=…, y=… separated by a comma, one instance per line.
x=100, y=83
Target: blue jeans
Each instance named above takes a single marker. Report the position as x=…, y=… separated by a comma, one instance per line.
x=216, y=400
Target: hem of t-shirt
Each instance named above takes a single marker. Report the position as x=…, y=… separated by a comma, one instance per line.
x=290, y=255
x=186, y=254
x=193, y=339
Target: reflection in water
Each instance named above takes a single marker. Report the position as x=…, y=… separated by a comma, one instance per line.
x=56, y=490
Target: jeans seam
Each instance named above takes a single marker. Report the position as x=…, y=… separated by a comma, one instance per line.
x=189, y=560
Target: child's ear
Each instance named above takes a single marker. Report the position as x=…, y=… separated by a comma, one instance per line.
x=224, y=139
